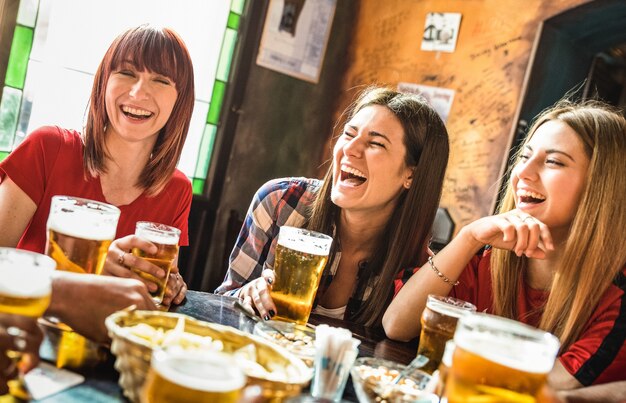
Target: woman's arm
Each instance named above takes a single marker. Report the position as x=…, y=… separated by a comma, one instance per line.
x=401, y=319
x=16, y=211
x=614, y=392
x=505, y=231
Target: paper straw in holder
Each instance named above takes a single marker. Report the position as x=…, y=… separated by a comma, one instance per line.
x=335, y=352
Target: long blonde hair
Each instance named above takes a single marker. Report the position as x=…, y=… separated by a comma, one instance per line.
x=594, y=253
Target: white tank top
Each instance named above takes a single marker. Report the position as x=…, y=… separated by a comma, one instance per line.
x=336, y=313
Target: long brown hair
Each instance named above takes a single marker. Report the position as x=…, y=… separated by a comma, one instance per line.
x=162, y=51
x=594, y=253
x=403, y=241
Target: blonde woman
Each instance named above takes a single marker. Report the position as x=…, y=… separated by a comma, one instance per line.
x=556, y=257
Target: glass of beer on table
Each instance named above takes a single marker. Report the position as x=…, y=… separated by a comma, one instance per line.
x=165, y=238
x=80, y=232
x=439, y=320
x=498, y=359
x=300, y=259
x=178, y=375
x=25, y=289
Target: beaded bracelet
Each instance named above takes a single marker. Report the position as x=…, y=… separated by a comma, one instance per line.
x=440, y=274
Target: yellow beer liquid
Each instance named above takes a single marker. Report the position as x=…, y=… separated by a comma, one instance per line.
x=290, y=308
x=77, y=255
x=297, y=276
x=436, y=330
x=474, y=379
x=163, y=258
x=33, y=307
x=188, y=380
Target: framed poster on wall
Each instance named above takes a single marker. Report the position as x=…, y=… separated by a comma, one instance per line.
x=295, y=36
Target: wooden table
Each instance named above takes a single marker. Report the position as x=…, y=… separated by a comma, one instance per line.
x=101, y=382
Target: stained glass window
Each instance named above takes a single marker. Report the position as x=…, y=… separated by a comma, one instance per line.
x=58, y=44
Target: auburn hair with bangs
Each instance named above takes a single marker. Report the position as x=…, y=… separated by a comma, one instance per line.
x=159, y=50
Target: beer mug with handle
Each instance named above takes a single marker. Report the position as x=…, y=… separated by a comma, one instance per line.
x=498, y=359
x=25, y=289
x=438, y=322
x=165, y=238
x=300, y=259
x=80, y=232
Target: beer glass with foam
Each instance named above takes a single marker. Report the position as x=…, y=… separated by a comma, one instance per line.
x=178, y=375
x=80, y=232
x=439, y=320
x=498, y=359
x=299, y=261
x=165, y=238
x=25, y=290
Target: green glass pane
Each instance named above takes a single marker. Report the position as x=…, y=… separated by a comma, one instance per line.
x=18, y=59
x=226, y=54
x=9, y=110
x=237, y=6
x=233, y=20
x=3, y=155
x=206, y=151
x=219, y=89
x=198, y=186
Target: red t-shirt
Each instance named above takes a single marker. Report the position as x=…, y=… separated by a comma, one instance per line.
x=49, y=162
x=598, y=356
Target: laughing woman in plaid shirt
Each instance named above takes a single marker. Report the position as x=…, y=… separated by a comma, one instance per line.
x=378, y=201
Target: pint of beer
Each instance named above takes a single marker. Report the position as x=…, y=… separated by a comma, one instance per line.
x=498, y=359
x=438, y=325
x=80, y=232
x=26, y=282
x=299, y=261
x=166, y=240
x=177, y=375
x=25, y=289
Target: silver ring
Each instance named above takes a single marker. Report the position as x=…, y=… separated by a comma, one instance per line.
x=527, y=217
x=120, y=259
x=19, y=337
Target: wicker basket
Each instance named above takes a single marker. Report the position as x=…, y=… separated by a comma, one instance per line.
x=133, y=354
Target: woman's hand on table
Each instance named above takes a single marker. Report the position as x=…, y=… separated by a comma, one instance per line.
x=120, y=260
x=18, y=333
x=256, y=294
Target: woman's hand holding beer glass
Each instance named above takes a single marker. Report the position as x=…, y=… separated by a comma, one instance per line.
x=151, y=256
x=288, y=291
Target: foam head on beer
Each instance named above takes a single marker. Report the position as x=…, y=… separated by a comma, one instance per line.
x=83, y=218
x=499, y=357
x=304, y=241
x=193, y=375
x=80, y=232
x=26, y=282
